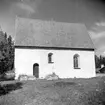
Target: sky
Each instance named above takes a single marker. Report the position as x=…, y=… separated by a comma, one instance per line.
x=89, y=12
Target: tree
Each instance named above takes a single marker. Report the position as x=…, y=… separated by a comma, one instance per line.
x=6, y=53
x=102, y=60
x=97, y=61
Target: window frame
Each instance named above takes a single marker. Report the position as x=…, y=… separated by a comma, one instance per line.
x=50, y=58
x=76, y=61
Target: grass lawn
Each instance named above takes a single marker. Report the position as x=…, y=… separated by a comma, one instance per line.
x=57, y=92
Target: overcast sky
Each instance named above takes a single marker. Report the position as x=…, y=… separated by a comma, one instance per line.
x=89, y=12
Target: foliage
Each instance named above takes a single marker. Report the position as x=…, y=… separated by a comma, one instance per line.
x=31, y=77
x=7, y=88
x=102, y=60
x=6, y=53
x=22, y=77
x=52, y=76
x=97, y=62
x=10, y=75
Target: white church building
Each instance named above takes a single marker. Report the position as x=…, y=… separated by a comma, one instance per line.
x=43, y=47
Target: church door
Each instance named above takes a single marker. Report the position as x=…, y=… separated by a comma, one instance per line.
x=36, y=70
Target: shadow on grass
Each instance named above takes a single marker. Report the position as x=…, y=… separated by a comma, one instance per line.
x=63, y=84
x=7, y=88
x=60, y=84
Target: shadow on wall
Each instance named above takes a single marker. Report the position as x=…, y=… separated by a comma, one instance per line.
x=7, y=88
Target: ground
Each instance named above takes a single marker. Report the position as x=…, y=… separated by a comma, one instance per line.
x=54, y=92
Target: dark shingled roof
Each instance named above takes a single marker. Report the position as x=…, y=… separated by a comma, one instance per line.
x=34, y=32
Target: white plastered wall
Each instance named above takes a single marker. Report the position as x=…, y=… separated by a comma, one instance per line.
x=62, y=66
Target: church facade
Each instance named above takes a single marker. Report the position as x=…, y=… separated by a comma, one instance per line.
x=44, y=47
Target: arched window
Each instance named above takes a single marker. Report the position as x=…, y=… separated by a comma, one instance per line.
x=50, y=58
x=76, y=61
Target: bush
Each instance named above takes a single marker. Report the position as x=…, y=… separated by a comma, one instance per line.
x=10, y=75
x=52, y=76
x=6, y=88
x=31, y=77
x=23, y=77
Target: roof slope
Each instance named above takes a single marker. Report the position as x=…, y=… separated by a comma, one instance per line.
x=34, y=32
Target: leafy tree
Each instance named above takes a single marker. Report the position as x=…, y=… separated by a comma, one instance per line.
x=6, y=53
x=97, y=61
x=102, y=60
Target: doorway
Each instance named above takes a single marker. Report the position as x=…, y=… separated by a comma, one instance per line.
x=36, y=70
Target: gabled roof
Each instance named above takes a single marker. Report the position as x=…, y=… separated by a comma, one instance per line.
x=34, y=32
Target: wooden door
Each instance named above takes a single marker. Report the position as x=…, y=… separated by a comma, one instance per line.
x=36, y=70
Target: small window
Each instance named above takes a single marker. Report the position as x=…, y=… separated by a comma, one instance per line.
x=50, y=58
x=76, y=61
